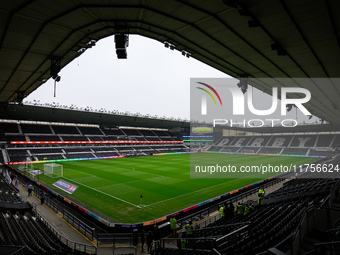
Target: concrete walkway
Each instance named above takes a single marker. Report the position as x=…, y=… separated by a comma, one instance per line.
x=68, y=231
x=74, y=235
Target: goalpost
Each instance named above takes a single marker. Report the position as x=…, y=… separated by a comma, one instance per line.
x=53, y=170
x=26, y=167
x=248, y=151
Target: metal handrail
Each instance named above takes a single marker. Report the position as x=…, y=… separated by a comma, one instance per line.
x=79, y=224
x=216, y=252
x=237, y=198
x=73, y=245
x=222, y=226
x=231, y=233
x=297, y=229
x=326, y=243
x=325, y=201
x=125, y=247
x=327, y=246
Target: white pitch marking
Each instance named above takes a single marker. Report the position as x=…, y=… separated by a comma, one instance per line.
x=122, y=200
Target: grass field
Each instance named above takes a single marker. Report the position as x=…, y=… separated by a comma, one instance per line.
x=111, y=188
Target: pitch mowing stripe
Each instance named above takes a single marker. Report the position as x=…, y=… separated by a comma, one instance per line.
x=159, y=175
x=117, y=184
x=199, y=190
x=101, y=192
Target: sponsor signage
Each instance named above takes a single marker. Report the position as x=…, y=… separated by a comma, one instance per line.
x=35, y=172
x=65, y=186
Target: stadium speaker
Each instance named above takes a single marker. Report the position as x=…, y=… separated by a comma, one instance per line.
x=289, y=107
x=55, y=69
x=121, y=53
x=243, y=85
x=121, y=41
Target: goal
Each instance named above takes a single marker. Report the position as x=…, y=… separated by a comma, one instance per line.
x=248, y=151
x=53, y=170
x=26, y=167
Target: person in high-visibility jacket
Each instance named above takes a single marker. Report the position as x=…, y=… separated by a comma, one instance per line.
x=189, y=229
x=240, y=208
x=173, y=225
x=246, y=210
x=251, y=207
x=262, y=192
x=222, y=211
x=183, y=241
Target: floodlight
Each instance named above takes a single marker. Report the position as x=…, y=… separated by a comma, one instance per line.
x=121, y=41
x=289, y=107
x=55, y=68
x=91, y=44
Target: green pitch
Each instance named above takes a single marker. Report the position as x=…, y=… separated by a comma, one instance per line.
x=111, y=188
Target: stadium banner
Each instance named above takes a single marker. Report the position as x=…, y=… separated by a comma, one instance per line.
x=65, y=186
x=95, y=142
x=35, y=172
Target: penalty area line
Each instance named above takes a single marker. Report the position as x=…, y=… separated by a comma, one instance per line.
x=117, y=198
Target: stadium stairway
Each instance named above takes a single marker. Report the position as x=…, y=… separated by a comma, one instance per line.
x=53, y=218
x=64, y=228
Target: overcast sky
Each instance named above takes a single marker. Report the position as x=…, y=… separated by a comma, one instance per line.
x=152, y=80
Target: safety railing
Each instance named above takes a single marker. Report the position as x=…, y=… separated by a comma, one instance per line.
x=211, y=209
x=330, y=248
x=236, y=234
x=125, y=250
x=12, y=249
x=112, y=239
x=81, y=226
x=293, y=241
x=188, y=244
x=52, y=204
x=90, y=249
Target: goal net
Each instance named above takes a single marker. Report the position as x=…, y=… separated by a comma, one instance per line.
x=26, y=167
x=248, y=151
x=53, y=170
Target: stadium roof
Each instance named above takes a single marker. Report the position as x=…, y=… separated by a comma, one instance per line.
x=54, y=114
x=243, y=38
